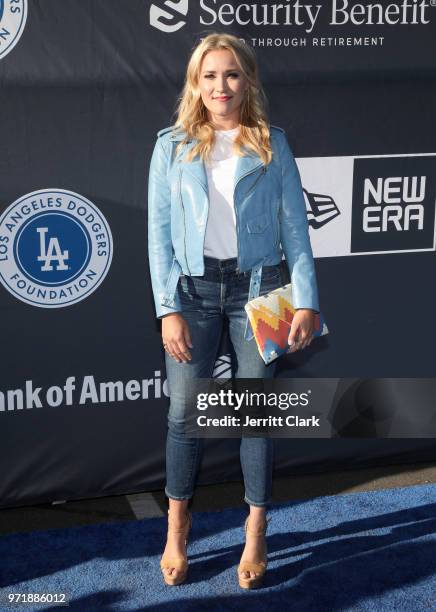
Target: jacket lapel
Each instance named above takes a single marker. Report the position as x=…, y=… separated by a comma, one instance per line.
x=196, y=168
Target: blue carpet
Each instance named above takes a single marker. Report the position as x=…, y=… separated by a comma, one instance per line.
x=361, y=551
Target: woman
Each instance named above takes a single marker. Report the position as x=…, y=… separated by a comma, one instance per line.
x=224, y=202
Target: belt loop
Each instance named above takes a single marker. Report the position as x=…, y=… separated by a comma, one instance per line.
x=253, y=292
x=171, y=286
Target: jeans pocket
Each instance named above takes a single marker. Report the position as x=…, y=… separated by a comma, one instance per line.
x=271, y=279
x=192, y=291
x=184, y=289
x=271, y=273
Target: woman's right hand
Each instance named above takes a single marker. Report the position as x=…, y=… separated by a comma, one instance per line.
x=176, y=337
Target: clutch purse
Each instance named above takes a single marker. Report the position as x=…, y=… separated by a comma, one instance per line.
x=271, y=316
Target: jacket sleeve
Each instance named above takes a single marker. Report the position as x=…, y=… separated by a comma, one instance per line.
x=160, y=249
x=294, y=233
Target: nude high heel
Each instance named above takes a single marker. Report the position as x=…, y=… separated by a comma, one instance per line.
x=178, y=563
x=249, y=566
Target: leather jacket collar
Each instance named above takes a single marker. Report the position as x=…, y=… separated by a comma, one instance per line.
x=196, y=168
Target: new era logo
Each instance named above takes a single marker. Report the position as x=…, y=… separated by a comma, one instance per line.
x=393, y=204
x=320, y=209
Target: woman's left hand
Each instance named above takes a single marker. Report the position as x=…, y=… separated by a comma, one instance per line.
x=302, y=328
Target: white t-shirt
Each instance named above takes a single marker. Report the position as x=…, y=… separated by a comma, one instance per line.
x=220, y=238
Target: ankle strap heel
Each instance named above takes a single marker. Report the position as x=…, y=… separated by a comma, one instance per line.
x=187, y=524
x=179, y=563
x=249, y=566
x=260, y=531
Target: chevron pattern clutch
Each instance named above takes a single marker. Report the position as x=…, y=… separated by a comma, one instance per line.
x=271, y=316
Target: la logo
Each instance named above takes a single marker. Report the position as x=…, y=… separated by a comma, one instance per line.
x=52, y=252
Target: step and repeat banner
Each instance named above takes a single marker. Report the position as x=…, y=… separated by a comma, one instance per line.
x=85, y=85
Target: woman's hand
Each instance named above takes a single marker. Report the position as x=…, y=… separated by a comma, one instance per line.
x=176, y=337
x=302, y=328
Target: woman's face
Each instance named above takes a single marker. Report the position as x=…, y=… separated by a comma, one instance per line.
x=220, y=76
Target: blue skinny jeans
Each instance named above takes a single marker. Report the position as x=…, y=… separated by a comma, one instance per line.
x=206, y=301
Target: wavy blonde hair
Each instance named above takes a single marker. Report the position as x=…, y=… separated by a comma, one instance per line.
x=191, y=112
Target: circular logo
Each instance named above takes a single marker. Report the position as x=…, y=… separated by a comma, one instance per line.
x=55, y=248
x=13, y=15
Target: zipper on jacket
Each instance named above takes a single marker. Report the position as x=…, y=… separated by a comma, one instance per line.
x=184, y=220
x=256, y=181
x=236, y=208
x=278, y=227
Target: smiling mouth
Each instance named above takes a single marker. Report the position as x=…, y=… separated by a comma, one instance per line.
x=223, y=98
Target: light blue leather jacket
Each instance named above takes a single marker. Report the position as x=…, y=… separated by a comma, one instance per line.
x=271, y=219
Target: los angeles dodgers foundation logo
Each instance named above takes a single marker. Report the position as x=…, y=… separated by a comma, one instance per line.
x=55, y=248
x=13, y=15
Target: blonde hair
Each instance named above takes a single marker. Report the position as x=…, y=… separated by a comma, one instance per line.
x=191, y=112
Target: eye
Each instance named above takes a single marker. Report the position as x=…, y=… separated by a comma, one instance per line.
x=231, y=74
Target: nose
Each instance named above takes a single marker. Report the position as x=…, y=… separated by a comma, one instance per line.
x=221, y=86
